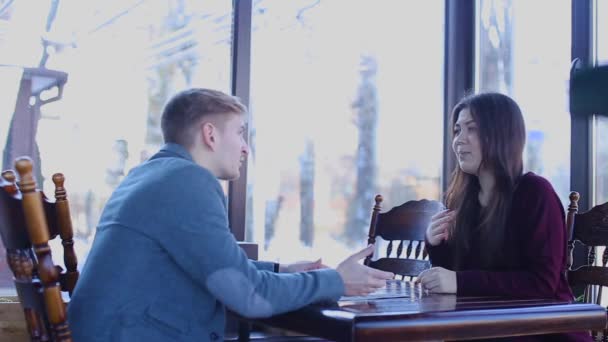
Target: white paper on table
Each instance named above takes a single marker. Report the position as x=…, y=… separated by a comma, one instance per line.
x=393, y=289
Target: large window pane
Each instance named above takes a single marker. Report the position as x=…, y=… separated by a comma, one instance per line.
x=602, y=31
x=525, y=53
x=124, y=59
x=601, y=165
x=346, y=102
x=601, y=138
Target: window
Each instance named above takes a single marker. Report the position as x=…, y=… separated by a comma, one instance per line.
x=525, y=54
x=602, y=31
x=124, y=60
x=601, y=163
x=342, y=109
x=601, y=130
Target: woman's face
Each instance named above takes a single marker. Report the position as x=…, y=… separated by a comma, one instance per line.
x=466, y=143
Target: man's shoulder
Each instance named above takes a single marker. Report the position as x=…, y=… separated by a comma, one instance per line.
x=160, y=183
x=175, y=169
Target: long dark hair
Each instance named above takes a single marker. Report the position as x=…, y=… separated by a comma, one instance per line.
x=502, y=136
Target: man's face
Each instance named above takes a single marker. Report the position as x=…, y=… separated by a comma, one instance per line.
x=466, y=143
x=231, y=148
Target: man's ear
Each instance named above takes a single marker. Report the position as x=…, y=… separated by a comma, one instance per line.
x=209, y=132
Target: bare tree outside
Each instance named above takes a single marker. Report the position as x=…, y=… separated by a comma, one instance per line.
x=496, y=69
x=495, y=40
x=271, y=214
x=366, y=120
x=307, y=194
x=249, y=202
x=160, y=79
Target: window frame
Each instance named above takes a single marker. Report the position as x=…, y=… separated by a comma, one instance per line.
x=241, y=75
x=581, y=131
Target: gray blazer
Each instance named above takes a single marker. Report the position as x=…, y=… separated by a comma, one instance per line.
x=164, y=263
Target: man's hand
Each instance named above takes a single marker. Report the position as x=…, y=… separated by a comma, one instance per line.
x=438, y=280
x=301, y=266
x=439, y=229
x=359, y=279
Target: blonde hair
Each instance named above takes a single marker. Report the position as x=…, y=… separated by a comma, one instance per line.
x=187, y=108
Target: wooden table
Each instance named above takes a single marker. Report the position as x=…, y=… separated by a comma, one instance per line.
x=422, y=317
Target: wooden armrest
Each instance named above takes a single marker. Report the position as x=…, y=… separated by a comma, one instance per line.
x=68, y=280
x=250, y=248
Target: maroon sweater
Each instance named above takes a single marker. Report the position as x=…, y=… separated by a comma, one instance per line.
x=536, y=247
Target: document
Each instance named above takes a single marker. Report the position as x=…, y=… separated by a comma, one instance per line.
x=394, y=289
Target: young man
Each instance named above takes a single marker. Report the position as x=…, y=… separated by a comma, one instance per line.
x=164, y=264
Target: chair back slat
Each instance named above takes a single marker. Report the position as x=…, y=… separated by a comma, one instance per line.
x=66, y=233
x=400, y=250
x=389, y=248
x=418, y=249
x=408, y=253
x=591, y=256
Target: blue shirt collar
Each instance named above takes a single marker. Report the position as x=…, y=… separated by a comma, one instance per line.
x=176, y=149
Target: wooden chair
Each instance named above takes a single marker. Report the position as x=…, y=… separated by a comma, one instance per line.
x=591, y=230
x=405, y=226
x=27, y=221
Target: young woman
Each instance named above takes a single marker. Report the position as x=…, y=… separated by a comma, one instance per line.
x=503, y=233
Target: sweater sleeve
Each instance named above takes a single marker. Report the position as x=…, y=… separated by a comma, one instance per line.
x=440, y=255
x=204, y=247
x=539, y=222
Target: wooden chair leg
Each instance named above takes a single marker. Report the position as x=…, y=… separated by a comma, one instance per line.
x=244, y=331
x=35, y=326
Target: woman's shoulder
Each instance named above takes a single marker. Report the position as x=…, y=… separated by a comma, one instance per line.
x=531, y=182
x=534, y=191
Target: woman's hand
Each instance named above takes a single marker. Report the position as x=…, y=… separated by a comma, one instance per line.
x=438, y=280
x=439, y=229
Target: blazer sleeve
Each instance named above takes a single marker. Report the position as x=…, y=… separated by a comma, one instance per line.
x=264, y=265
x=540, y=224
x=204, y=247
